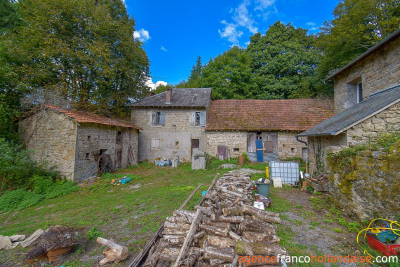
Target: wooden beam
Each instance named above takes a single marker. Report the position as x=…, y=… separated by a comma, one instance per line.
x=189, y=197
x=189, y=238
x=136, y=262
x=210, y=187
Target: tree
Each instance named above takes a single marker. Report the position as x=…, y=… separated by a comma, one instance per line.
x=195, y=78
x=357, y=26
x=230, y=75
x=82, y=49
x=284, y=61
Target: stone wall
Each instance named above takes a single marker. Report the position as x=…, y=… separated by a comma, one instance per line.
x=173, y=139
x=235, y=141
x=287, y=146
x=52, y=138
x=369, y=187
x=378, y=71
x=385, y=121
x=95, y=138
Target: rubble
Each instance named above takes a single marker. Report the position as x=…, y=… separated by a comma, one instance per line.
x=223, y=227
x=115, y=253
x=4, y=242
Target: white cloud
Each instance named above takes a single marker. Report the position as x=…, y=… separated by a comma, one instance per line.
x=263, y=4
x=310, y=24
x=163, y=49
x=142, y=35
x=152, y=85
x=243, y=18
x=230, y=31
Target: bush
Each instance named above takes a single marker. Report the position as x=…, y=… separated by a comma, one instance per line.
x=18, y=199
x=17, y=170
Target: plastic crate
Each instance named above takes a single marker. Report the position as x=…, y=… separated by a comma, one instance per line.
x=386, y=250
x=288, y=172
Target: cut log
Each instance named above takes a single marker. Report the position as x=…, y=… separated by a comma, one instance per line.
x=207, y=221
x=179, y=219
x=260, y=237
x=176, y=225
x=115, y=253
x=207, y=211
x=220, y=242
x=233, y=211
x=169, y=254
x=216, y=262
x=258, y=226
x=219, y=209
x=172, y=231
x=214, y=230
x=189, y=237
x=160, y=263
x=250, y=249
x=174, y=240
x=231, y=219
x=226, y=254
x=191, y=259
x=199, y=235
x=262, y=214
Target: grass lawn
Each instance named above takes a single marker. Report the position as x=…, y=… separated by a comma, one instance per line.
x=127, y=213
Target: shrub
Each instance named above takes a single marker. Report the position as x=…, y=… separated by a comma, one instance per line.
x=93, y=233
x=17, y=168
x=18, y=199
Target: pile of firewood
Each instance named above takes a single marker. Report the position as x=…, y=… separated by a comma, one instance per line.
x=220, y=230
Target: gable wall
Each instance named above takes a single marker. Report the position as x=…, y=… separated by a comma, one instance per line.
x=378, y=71
x=174, y=137
x=102, y=137
x=52, y=138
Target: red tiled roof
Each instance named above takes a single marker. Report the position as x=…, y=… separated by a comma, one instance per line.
x=86, y=117
x=259, y=115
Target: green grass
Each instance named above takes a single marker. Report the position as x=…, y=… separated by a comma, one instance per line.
x=116, y=211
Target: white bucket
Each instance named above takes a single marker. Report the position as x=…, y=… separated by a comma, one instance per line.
x=278, y=183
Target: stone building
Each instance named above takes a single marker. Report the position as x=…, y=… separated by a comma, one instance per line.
x=367, y=96
x=264, y=127
x=78, y=143
x=172, y=122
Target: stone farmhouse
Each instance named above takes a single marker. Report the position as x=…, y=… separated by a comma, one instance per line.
x=172, y=122
x=367, y=96
x=179, y=120
x=78, y=143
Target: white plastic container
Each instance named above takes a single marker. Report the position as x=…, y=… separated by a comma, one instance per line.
x=278, y=183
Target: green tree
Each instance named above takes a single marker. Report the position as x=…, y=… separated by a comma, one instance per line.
x=284, y=61
x=195, y=78
x=230, y=75
x=82, y=50
x=9, y=18
x=357, y=26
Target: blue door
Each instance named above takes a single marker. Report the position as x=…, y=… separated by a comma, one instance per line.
x=260, y=151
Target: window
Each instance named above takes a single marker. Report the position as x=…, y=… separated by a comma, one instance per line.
x=87, y=156
x=89, y=138
x=359, y=92
x=198, y=118
x=155, y=143
x=236, y=150
x=354, y=93
x=119, y=137
x=158, y=118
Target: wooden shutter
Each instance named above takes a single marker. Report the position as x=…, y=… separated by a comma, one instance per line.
x=203, y=118
x=162, y=118
x=251, y=142
x=268, y=147
x=153, y=120
x=193, y=119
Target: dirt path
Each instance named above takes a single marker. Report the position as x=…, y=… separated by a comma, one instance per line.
x=310, y=227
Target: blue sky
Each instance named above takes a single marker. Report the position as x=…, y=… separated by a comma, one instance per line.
x=175, y=33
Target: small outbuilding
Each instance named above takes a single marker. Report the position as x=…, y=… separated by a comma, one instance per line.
x=264, y=129
x=79, y=144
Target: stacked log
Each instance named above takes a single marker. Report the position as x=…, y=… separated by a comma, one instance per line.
x=227, y=228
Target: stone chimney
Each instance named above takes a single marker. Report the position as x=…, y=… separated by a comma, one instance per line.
x=168, y=96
